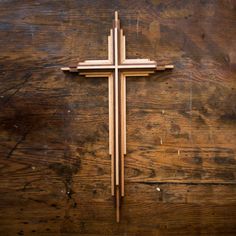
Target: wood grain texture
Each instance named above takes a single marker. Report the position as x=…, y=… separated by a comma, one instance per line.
x=180, y=167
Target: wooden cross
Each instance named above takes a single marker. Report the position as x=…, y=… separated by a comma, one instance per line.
x=117, y=68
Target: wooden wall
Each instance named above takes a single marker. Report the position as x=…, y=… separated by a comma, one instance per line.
x=54, y=162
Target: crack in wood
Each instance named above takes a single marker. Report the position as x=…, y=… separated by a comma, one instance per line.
x=23, y=137
x=18, y=88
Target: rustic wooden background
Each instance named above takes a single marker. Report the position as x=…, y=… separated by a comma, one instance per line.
x=54, y=163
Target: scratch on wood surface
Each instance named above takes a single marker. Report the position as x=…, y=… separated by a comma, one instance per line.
x=137, y=26
x=31, y=32
x=18, y=87
x=24, y=78
x=23, y=137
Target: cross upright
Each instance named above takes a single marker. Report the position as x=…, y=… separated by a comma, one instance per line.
x=117, y=68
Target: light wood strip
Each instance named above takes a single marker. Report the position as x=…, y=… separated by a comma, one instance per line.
x=95, y=73
x=96, y=62
x=122, y=102
x=137, y=61
x=97, y=76
x=124, y=112
x=138, y=66
x=122, y=49
x=95, y=67
x=116, y=104
x=111, y=131
x=110, y=47
x=135, y=73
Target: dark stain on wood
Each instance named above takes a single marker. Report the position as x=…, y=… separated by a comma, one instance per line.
x=66, y=172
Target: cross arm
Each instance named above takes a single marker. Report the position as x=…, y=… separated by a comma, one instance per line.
x=165, y=67
x=143, y=69
x=88, y=68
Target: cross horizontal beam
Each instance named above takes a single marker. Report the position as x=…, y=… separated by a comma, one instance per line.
x=112, y=67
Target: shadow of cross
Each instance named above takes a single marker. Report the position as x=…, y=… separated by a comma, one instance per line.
x=116, y=68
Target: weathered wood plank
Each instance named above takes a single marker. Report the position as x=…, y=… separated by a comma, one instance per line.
x=180, y=168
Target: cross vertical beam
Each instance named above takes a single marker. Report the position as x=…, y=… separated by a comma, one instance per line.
x=117, y=115
x=117, y=68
